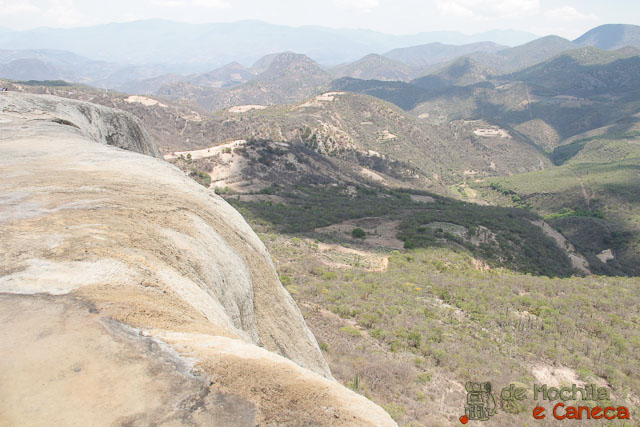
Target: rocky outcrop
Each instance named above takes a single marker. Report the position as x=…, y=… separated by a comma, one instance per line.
x=98, y=123
x=129, y=294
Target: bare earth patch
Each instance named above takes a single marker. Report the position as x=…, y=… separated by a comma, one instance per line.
x=577, y=260
x=422, y=199
x=203, y=153
x=605, y=255
x=385, y=135
x=245, y=108
x=367, y=173
x=146, y=101
x=381, y=232
x=320, y=99
x=341, y=257
x=555, y=376
x=493, y=132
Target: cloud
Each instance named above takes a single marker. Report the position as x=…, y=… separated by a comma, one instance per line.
x=64, y=13
x=214, y=4
x=13, y=7
x=168, y=3
x=568, y=13
x=455, y=9
x=209, y=4
x=486, y=9
x=366, y=6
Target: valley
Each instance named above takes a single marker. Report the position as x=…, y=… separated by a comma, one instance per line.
x=439, y=214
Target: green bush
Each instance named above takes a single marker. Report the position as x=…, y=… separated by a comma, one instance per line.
x=200, y=177
x=286, y=280
x=395, y=411
x=358, y=233
x=350, y=330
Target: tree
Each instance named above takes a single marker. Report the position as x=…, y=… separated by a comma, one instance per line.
x=358, y=233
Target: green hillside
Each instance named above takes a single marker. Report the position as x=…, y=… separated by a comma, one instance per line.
x=586, y=72
x=438, y=155
x=407, y=335
x=499, y=236
x=375, y=67
x=405, y=95
x=572, y=93
x=593, y=196
x=526, y=55
x=460, y=72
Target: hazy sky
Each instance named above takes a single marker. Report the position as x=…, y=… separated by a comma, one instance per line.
x=567, y=18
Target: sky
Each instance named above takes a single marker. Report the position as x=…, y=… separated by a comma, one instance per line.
x=566, y=18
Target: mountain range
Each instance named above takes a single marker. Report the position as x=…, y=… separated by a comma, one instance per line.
x=56, y=54
x=180, y=45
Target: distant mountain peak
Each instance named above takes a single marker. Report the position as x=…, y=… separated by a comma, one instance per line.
x=375, y=67
x=372, y=56
x=235, y=65
x=283, y=64
x=550, y=42
x=611, y=36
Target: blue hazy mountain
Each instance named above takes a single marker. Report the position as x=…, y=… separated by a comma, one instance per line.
x=611, y=37
x=202, y=47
